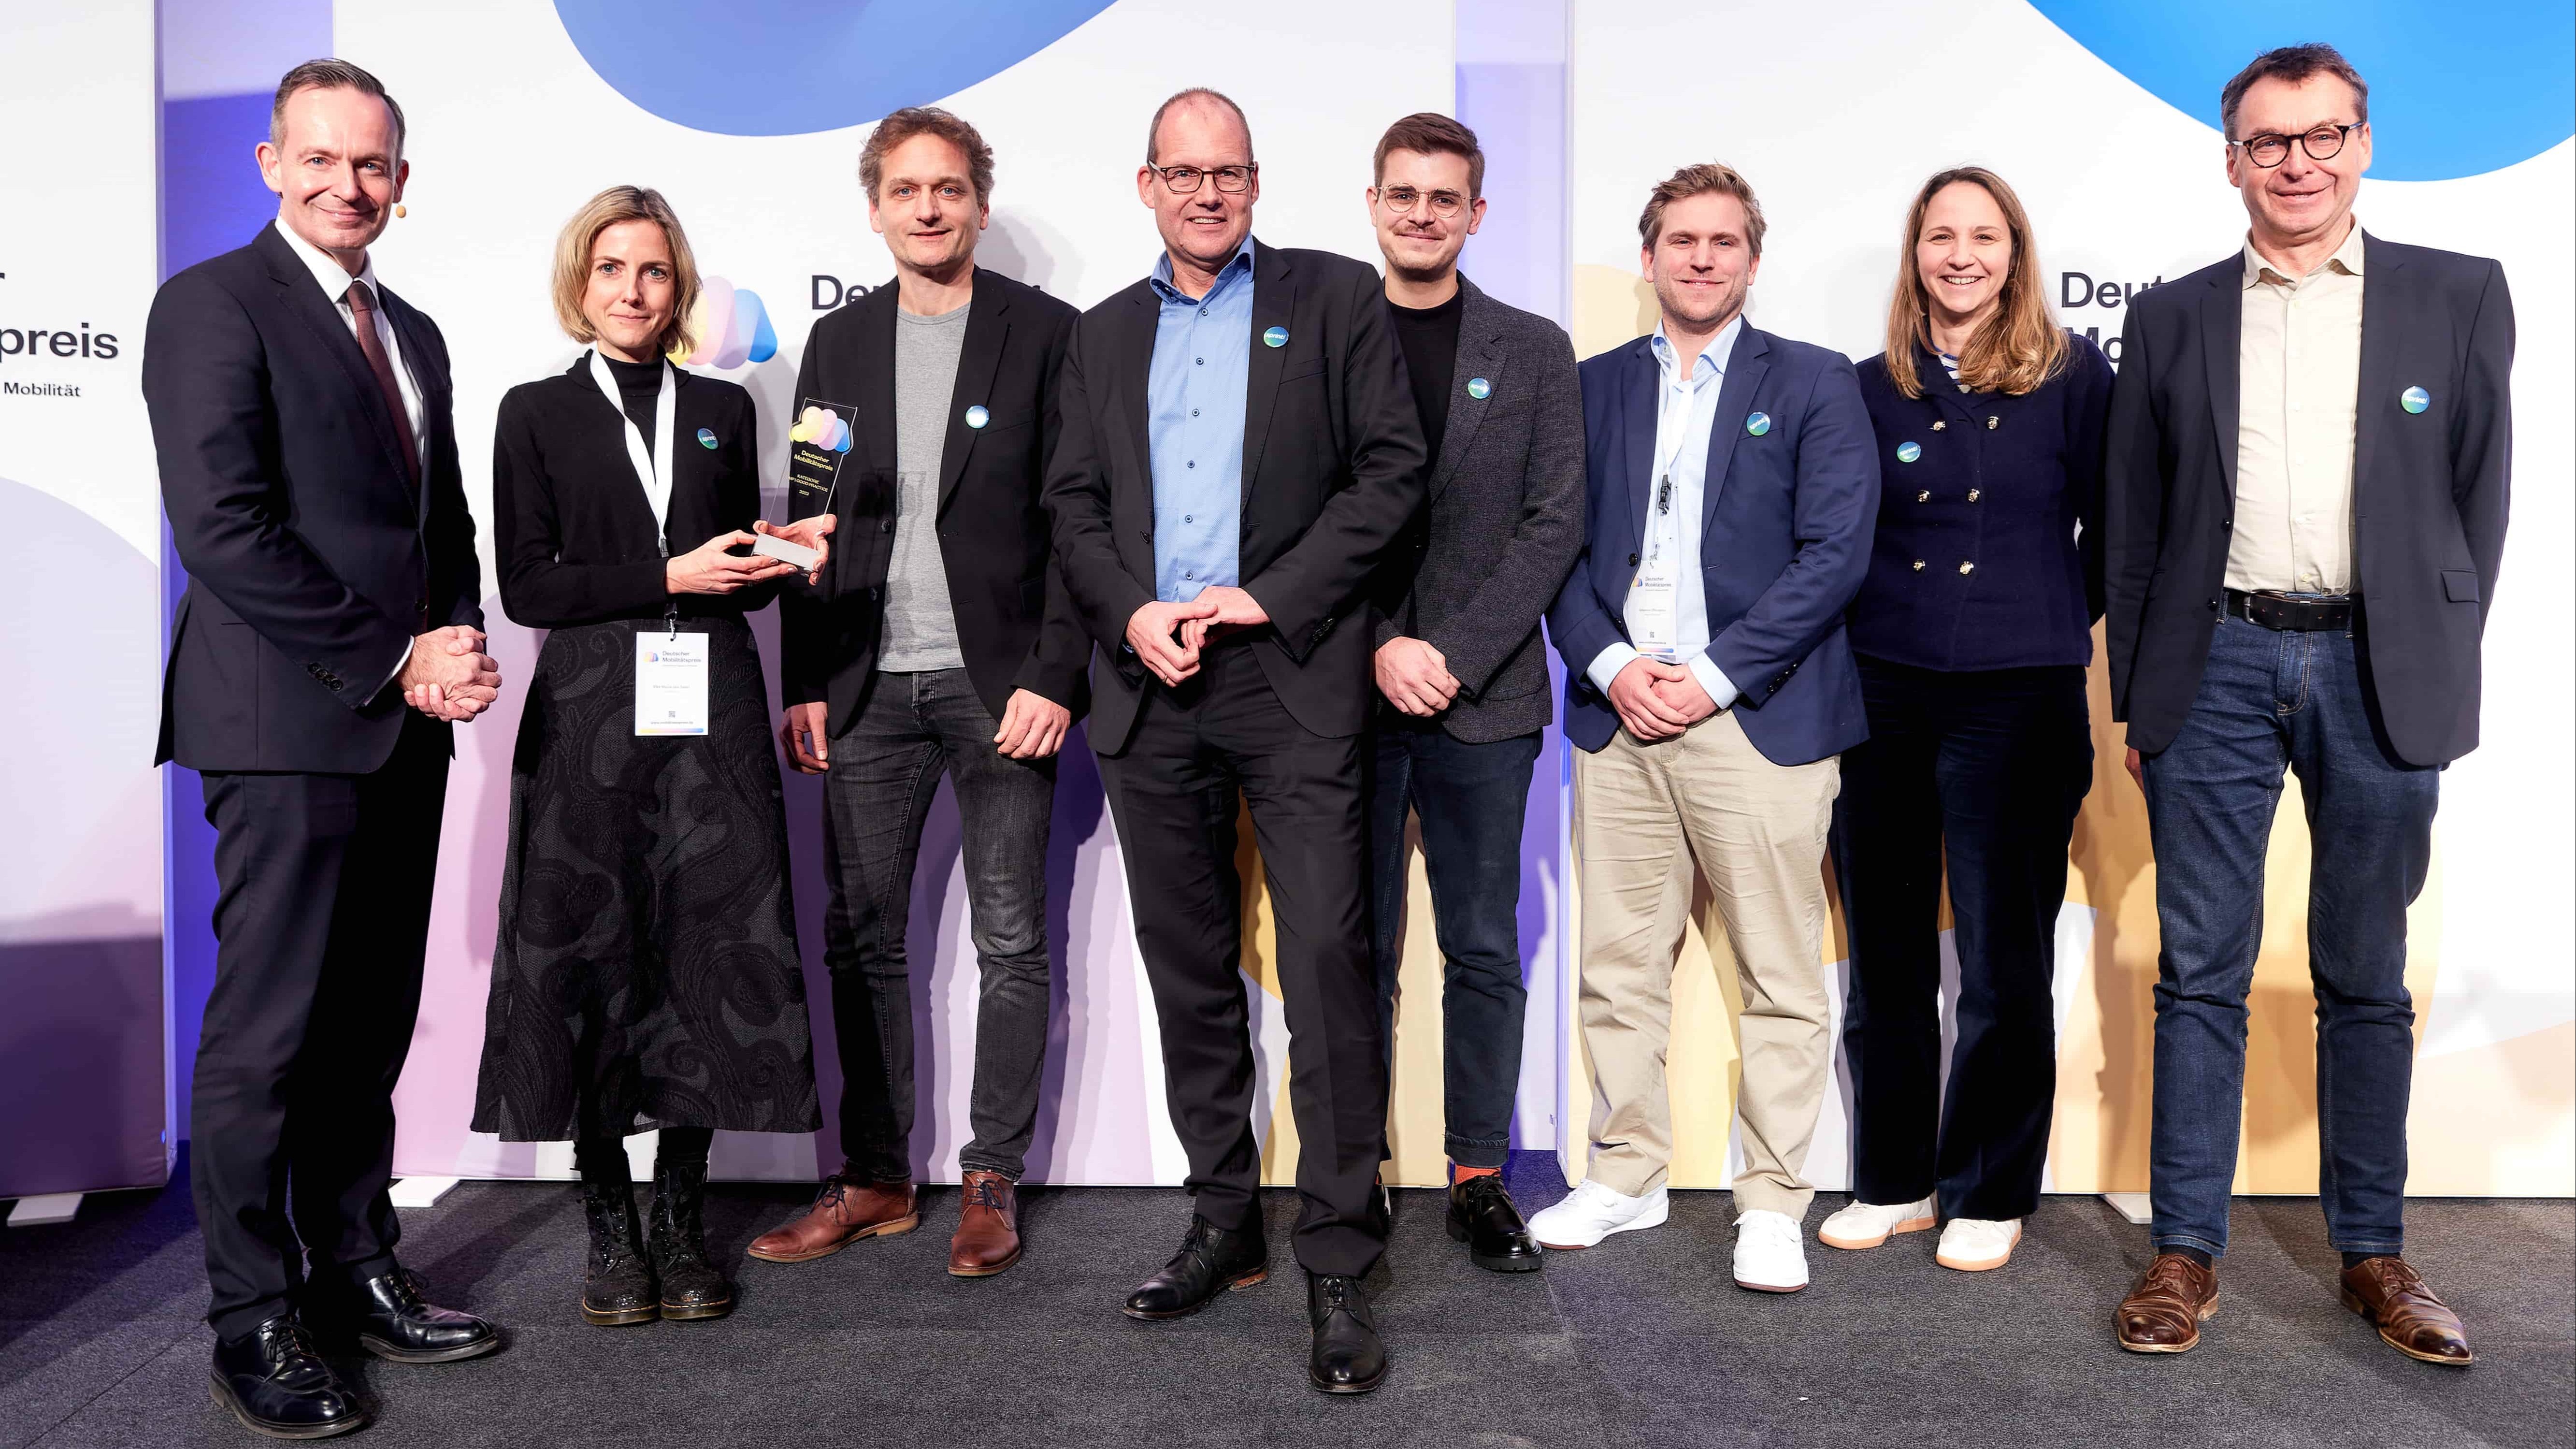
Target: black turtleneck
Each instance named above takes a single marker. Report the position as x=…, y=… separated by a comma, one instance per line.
x=640, y=385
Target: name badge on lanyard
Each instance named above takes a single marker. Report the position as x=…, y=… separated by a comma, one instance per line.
x=1653, y=612
x=670, y=667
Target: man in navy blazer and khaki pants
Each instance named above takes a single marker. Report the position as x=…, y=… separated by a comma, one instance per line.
x=2307, y=474
x=1733, y=486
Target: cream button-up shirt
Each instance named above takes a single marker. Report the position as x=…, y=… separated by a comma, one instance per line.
x=2299, y=382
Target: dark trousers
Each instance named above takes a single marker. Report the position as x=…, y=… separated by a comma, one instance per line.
x=320, y=922
x=1470, y=798
x=1172, y=792
x=1983, y=770
x=2272, y=701
x=884, y=772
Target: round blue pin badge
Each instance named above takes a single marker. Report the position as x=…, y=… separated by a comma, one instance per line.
x=977, y=417
x=1479, y=389
x=1908, y=452
x=1758, y=424
x=707, y=438
x=1276, y=337
x=2414, y=399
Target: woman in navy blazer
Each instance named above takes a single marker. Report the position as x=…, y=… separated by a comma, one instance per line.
x=1972, y=631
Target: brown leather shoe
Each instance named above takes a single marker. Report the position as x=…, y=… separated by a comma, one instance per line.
x=2163, y=1314
x=2389, y=1292
x=843, y=1212
x=988, y=1227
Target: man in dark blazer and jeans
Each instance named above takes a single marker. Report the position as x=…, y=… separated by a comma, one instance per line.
x=941, y=639
x=331, y=630
x=2308, y=463
x=1239, y=450
x=1454, y=616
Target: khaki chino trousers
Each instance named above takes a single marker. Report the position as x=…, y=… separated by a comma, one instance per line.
x=1651, y=819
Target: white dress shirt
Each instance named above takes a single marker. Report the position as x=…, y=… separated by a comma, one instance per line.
x=2298, y=390
x=334, y=281
x=1685, y=411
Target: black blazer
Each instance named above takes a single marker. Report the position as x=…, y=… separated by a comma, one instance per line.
x=2428, y=490
x=1333, y=459
x=312, y=560
x=2004, y=483
x=572, y=527
x=1015, y=626
x=1501, y=524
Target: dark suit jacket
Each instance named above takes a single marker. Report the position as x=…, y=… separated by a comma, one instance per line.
x=1477, y=567
x=312, y=562
x=1332, y=468
x=572, y=530
x=1785, y=529
x=2428, y=490
x=1015, y=625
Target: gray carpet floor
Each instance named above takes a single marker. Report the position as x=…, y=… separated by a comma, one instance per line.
x=1643, y=1341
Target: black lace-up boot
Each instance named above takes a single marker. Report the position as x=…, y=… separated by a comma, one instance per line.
x=692, y=1286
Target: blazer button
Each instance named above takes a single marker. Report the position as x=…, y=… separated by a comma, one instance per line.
x=1923, y=497
x=1972, y=495
x=1632, y=560
x=1967, y=567
x=886, y=527
x=2217, y=604
x=2227, y=523
x=1918, y=565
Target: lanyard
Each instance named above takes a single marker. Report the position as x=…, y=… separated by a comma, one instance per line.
x=654, y=470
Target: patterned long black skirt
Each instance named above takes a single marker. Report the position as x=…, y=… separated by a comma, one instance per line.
x=646, y=972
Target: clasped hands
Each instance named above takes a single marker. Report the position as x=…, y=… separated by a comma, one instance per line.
x=1168, y=637
x=448, y=676
x=1657, y=701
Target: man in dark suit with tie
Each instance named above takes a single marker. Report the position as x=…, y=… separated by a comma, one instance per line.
x=1454, y=617
x=1239, y=450
x=330, y=633
x=940, y=640
x=2309, y=456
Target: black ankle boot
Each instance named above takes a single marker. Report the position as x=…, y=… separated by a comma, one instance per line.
x=691, y=1286
x=618, y=1286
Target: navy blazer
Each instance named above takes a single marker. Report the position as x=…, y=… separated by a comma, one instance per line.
x=1784, y=539
x=1978, y=562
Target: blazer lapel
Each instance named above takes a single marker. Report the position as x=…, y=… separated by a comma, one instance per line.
x=1132, y=381
x=1637, y=401
x=321, y=315
x=2222, y=324
x=1478, y=356
x=1274, y=301
x=874, y=424
x=1744, y=373
x=988, y=327
x=2384, y=319
x=408, y=335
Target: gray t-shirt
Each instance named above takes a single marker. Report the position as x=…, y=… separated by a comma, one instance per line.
x=920, y=627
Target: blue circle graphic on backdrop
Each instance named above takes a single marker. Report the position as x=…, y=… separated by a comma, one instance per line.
x=2455, y=90
x=1276, y=336
x=2414, y=399
x=1908, y=452
x=976, y=417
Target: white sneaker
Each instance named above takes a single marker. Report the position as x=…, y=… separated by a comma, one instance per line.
x=1868, y=1224
x=1973, y=1245
x=1769, y=1255
x=1592, y=1212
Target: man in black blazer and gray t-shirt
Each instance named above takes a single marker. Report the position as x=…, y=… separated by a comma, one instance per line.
x=1454, y=618
x=1239, y=450
x=2308, y=459
x=939, y=639
x=331, y=631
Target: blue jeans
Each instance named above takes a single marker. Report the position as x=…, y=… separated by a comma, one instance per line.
x=2272, y=700
x=1471, y=798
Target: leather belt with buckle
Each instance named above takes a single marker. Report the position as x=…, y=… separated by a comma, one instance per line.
x=2301, y=614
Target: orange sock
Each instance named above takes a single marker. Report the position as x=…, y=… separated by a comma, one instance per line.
x=1458, y=1174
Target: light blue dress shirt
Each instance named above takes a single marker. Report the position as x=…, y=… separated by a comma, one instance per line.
x=1685, y=410
x=1194, y=400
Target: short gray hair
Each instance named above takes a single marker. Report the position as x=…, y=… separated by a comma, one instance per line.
x=328, y=74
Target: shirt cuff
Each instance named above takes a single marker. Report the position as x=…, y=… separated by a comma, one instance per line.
x=1714, y=680
x=1605, y=666
x=399, y=666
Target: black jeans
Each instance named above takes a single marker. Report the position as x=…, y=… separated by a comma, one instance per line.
x=884, y=772
x=1984, y=769
x=319, y=929
x=1470, y=798
x=1173, y=793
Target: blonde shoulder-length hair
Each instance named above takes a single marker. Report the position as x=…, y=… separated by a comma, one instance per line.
x=572, y=262
x=2015, y=350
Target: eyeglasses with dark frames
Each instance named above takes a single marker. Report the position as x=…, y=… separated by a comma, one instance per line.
x=2322, y=143
x=1182, y=180
x=1403, y=199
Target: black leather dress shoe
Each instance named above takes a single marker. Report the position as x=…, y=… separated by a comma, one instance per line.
x=1211, y=1260
x=275, y=1382
x=390, y=1319
x=1348, y=1357
x=1481, y=1215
